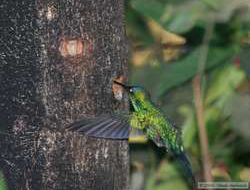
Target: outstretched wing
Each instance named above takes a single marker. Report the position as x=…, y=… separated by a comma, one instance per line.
x=103, y=126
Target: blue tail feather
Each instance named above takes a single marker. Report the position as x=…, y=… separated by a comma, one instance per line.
x=183, y=160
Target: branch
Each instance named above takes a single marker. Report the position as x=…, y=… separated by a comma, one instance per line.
x=207, y=164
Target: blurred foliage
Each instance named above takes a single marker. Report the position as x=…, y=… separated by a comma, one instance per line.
x=2, y=182
x=167, y=43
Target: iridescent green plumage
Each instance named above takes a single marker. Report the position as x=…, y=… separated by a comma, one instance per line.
x=145, y=117
x=149, y=118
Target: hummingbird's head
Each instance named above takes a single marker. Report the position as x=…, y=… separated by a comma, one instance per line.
x=137, y=94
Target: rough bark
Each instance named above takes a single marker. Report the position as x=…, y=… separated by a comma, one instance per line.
x=57, y=62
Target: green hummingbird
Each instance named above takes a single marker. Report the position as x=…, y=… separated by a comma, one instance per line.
x=145, y=117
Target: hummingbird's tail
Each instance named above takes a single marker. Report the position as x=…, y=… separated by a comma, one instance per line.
x=185, y=164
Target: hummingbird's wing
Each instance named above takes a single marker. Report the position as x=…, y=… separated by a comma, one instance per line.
x=104, y=126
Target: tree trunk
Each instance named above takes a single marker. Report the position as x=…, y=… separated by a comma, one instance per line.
x=57, y=62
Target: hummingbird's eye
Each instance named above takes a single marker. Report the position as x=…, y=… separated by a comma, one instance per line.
x=131, y=90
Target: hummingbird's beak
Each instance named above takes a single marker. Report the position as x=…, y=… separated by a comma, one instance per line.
x=126, y=87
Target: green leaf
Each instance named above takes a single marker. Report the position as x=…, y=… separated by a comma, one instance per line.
x=169, y=178
x=172, y=75
x=173, y=184
x=178, y=18
x=240, y=114
x=136, y=28
x=189, y=128
x=185, y=69
x=224, y=9
x=150, y=8
x=223, y=84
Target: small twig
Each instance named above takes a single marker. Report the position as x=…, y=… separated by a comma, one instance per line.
x=207, y=164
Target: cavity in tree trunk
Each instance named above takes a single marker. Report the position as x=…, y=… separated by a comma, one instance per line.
x=57, y=62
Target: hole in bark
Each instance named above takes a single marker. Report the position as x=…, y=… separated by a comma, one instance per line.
x=76, y=48
x=51, y=13
x=71, y=48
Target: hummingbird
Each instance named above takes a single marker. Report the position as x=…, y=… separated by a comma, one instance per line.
x=145, y=117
